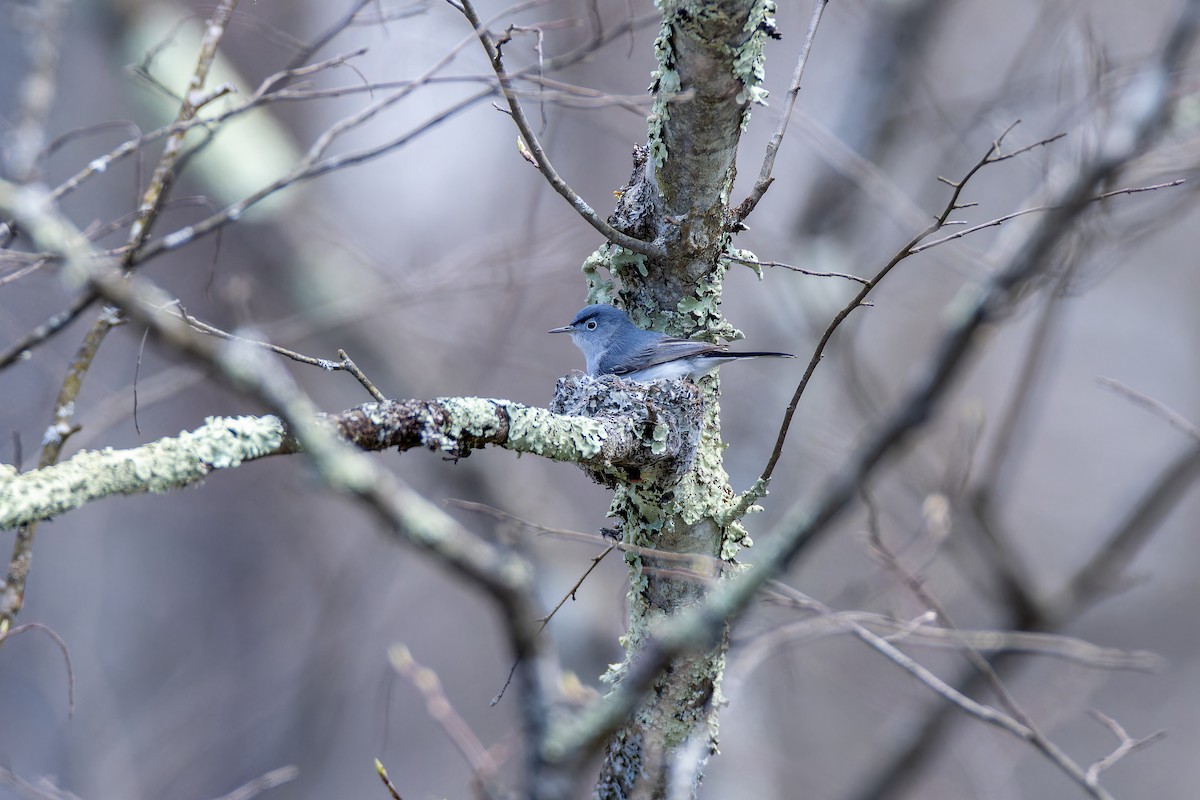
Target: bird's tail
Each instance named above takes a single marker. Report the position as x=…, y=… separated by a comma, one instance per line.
x=760, y=354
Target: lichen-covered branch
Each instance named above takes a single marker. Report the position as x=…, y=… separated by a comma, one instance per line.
x=171, y=463
x=606, y=445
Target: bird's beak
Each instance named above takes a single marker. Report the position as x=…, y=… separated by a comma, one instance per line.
x=563, y=329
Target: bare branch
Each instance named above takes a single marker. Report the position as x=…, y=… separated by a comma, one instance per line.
x=764, y=174
x=750, y=262
x=539, y=154
x=1126, y=746
x=439, y=707
x=263, y=783
x=993, y=223
x=755, y=492
x=1172, y=417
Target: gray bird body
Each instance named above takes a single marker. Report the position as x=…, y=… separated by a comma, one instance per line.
x=612, y=345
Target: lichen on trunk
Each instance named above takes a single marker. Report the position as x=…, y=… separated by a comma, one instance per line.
x=709, y=73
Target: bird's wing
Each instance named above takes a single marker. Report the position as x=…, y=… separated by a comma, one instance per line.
x=662, y=351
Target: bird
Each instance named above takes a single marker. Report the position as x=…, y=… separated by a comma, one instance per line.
x=612, y=345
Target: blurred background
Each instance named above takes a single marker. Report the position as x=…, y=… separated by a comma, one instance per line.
x=224, y=631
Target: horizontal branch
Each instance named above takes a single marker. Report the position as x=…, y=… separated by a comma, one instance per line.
x=451, y=425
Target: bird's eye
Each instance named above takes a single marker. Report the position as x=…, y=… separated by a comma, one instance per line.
x=591, y=325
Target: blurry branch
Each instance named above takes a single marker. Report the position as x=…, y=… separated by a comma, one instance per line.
x=828, y=622
x=1143, y=109
x=61, y=425
x=1012, y=723
x=1125, y=746
x=137, y=252
x=1172, y=417
x=914, y=247
x=152, y=199
x=764, y=175
x=1099, y=578
x=1101, y=575
x=62, y=648
x=917, y=588
x=35, y=98
x=315, y=164
x=984, y=713
x=44, y=789
x=1004, y=559
x=985, y=669
x=503, y=575
x=992, y=156
x=329, y=34
x=266, y=92
x=589, y=214
x=1032, y=364
x=439, y=707
x=273, y=89
x=263, y=783
x=898, y=40
x=1131, y=129
x=993, y=223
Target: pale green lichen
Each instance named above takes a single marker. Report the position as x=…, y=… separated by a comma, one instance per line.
x=221, y=443
x=599, y=288
x=530, y=430
x=665, y=84
x=658, y=444
x=617, y=262
x=744, y=258
x=472, y=416
x=554, y=436
x=749, y=60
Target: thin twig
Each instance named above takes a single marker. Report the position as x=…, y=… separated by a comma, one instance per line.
x=993, y=223
x=263, y=783
x=212, y=330
x=1126, y=745
x=750, y=262
x=383, y=776
x=442, y=711
x=917, y=588
x=764, y=174
x=652, y=249
x=328, y=35
x=22, y=349
x=345, y=363
x=993, y=154
x=1160, y=409
x=62, y=648
x=349, y=365
x=982, y=712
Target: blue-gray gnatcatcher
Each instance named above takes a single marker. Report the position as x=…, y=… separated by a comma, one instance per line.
x=613, y=345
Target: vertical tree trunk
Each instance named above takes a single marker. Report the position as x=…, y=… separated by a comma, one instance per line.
x=709, y=69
